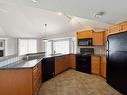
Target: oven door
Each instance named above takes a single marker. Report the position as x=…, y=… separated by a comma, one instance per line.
x=85, y=42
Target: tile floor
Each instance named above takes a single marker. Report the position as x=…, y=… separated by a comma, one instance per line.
x=72, y=82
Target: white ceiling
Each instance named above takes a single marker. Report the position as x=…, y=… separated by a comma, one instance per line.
x=23, y=18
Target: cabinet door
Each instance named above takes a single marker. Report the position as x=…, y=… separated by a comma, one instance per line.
x=105, y=37
x=95, y=65
x=103, y=66
x=98, y=38
x=37, y=78
x=61, y=64
x=84, y=34
x=73, y=61
x=114, y=29
x=123, y=26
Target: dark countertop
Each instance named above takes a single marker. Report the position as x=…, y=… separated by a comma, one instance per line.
x=22, y=64
x=30, y=63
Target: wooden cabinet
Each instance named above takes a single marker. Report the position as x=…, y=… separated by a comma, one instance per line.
x=61, y=63
x=20, y=81
x=36, y=78
x=105, y=37
x=84, y=34
x=123, y=26
x=95, y=65
x=103, y=66
x=72, y=60
x=98, y=65
x=98, y=38
x=114, y=29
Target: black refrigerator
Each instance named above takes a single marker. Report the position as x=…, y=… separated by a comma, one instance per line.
x=117, y=62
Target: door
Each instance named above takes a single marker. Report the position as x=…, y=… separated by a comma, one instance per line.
x=117, y=62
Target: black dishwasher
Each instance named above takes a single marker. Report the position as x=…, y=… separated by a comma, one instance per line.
x=48, y=68
x=83, y=60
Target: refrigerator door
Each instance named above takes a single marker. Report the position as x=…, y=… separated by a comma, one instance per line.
x=117, y=42
x=117, y=70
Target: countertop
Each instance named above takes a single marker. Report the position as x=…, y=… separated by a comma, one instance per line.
x=22, y=64
x=30, y=63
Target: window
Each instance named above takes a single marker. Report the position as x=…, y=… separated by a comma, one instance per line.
x=26, y=46
x=48, y=47
x=63, y=46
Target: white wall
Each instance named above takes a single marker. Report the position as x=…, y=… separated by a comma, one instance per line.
x=11, y=46
x=62, y=35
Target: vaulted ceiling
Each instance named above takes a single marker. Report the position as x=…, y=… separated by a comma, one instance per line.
x=24, y=18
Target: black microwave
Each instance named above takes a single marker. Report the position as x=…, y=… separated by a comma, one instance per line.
x=85, y=42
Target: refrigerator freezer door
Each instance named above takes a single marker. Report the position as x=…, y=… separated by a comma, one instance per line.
x=118, y=42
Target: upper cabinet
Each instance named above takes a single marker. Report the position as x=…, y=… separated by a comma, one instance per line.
x=98, y=38
x=84, y=34
x=114, y=29
x=121, y=27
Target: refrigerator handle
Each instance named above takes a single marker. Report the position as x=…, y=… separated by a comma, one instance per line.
x=107, y=45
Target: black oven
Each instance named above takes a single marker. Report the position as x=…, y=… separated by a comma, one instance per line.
x=83, y=60
x=85, y=42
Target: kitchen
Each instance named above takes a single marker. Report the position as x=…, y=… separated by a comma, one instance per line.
x=54, y=51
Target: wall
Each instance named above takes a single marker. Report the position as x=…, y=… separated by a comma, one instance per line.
x=11, y=46
x=62, y=35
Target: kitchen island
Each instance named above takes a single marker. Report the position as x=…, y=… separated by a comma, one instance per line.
x=25, y=76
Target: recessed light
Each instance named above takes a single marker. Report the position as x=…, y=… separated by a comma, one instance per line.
x=34, y=1
x=59, y=13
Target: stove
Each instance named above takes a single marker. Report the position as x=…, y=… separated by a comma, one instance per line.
x=83, y=60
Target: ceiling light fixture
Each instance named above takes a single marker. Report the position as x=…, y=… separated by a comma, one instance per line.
x=99, y=14
x=45, y=30
x=34, y=1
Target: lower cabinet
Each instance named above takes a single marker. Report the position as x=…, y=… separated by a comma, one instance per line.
x=95, y=65
x=98, y=65
x=37, y=72
x=20, y=81
x=72, y=60
x=48, y=68
x=61, y=63
x=103, y=66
